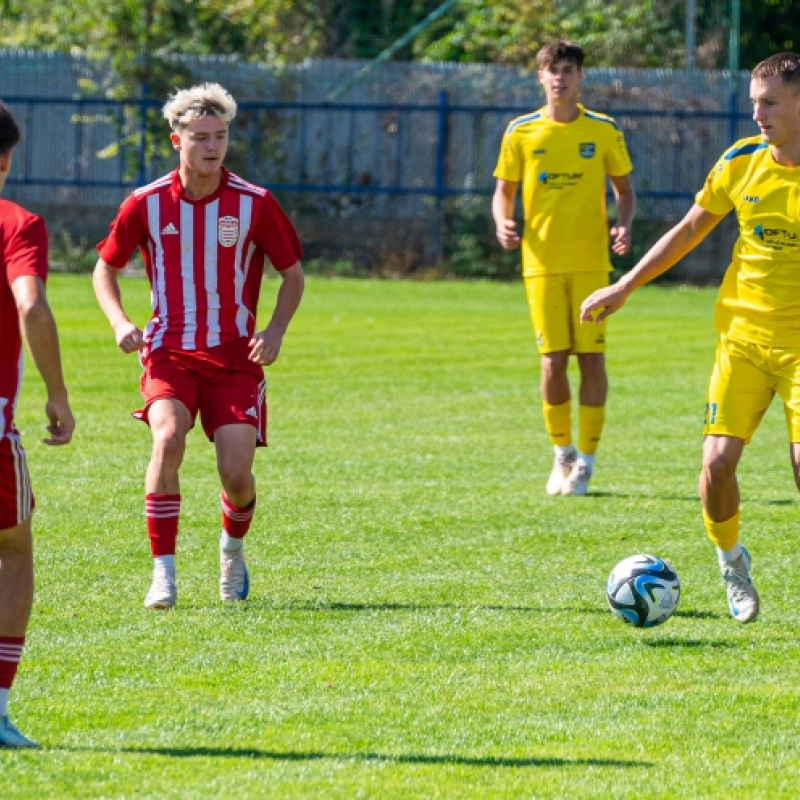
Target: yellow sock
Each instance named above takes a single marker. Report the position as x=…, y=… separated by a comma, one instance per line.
x=590, y=426
x=725, y=535
x=558, y=422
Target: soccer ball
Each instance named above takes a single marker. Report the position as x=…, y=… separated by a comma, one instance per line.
x=643, y=591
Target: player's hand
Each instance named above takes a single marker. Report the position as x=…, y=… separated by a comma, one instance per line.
x=61, y=422
x=129, y=337
x=621, y=239
x=604, y=302
x=507, y=235
x=265, y=347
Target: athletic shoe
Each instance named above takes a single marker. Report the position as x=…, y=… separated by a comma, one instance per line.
x=163, y=592
x=577, y=482
x=11, y=737
x=234, y=581
x=562, y=466
x=742, y=595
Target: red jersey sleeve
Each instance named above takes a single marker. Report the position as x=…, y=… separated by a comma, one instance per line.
x=25, y=249
x=127, y=232
x=276, y=236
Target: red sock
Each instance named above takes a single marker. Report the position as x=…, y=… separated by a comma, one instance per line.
x=162, y=512
x=236, y=521
x=10, y=654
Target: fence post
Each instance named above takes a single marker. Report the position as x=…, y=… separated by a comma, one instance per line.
x=441, y=147
x=142, y=179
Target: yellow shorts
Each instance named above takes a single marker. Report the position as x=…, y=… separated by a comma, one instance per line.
x=746, y=377
x=555, y=305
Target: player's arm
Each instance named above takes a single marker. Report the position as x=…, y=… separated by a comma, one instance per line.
x=625, y=202
x=39, y=329
x=665, y=253
x=266, y=345
x=106, y=287
x=503, y=213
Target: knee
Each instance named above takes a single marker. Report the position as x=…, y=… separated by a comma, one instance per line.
x=238, y=483
x=555, y=365
x=168, y=446
x=17, y=544
x=718, y=468
x=592, y=365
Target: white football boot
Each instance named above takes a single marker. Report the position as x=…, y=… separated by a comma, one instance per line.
x=234, y=580
x=11, y=738
x=577, y=482
x=742, y=595
x=163, y=594
x=563, y=462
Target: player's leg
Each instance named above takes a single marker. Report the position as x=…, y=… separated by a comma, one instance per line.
x=549, y=308
x=16, y=575
x=589, y=345
x=740, y=391
x=170, y=422
x=235, y=447
x=233, y=411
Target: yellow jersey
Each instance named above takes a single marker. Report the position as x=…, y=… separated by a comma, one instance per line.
x=759, y=299
x=563, y=169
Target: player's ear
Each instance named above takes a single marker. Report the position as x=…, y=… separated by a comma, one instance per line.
x=176, y=140
x=5, y=161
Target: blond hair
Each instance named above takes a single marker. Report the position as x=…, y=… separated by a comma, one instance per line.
x=185, y=105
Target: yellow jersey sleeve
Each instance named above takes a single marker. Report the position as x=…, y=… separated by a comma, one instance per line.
x=510, y=161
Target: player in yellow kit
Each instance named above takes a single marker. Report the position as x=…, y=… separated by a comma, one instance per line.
x=757, y=314
x=563, y=155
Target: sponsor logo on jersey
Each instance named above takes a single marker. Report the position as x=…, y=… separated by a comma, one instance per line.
x=777, y=238
x=751, y=198
x=539, y=151
x=251, y=412
x=586, y=149
x=228, y=231
x=169, y=230
x=559, y=180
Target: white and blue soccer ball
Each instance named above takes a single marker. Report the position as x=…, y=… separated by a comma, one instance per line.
x=643, y=591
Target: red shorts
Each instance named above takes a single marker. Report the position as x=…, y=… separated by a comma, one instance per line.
x=220, y=383
x=16, y=496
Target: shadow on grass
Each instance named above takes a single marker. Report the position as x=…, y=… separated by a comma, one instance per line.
x=485, y=761
x=674, y=642
x=701, y=615
x=324, y=606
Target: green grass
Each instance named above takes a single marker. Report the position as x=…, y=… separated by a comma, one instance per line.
x=424, y=621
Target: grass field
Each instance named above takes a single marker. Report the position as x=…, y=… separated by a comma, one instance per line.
x=424, y=621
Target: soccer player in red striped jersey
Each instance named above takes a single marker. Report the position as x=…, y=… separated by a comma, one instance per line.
x=205, y=236
x=24, y=311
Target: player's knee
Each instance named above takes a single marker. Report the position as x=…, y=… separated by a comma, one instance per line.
x=16, y=543
x=168, y=446
x=238, y=484
x=718, y=467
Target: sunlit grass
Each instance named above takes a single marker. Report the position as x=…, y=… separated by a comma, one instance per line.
x=424, y=621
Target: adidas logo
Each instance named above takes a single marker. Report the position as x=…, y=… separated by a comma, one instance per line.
x=169, y=230
x=251, y=412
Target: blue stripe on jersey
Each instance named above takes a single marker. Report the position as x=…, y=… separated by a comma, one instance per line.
x=598, y=118
x=523, y=120
x=745, y=150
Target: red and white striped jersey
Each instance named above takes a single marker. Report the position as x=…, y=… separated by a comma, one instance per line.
x=204, y=258
x=23, y=251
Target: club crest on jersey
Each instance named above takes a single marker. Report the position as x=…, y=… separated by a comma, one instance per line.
x=586, y=149
x=228, y=231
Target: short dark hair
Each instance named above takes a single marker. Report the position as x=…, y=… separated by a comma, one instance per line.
x=9, y=132
x=560, y=51
x=785, y=65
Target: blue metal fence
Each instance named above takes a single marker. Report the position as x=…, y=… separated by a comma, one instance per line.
x=432, y=151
